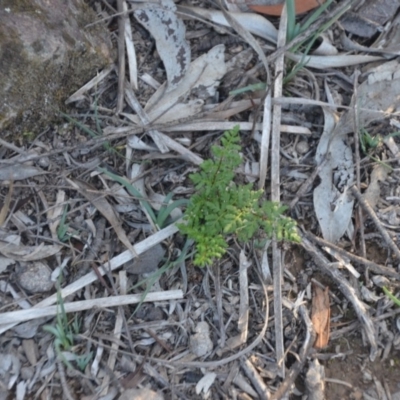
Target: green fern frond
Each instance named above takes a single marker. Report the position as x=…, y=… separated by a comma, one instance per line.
x=220, y=207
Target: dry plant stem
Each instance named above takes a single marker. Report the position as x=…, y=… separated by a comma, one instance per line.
x=379, y=269
x=64, y=384
x=389, y=241
x=121, y=56
x=299, y=364
x=357, y=157
x=255, y=379
x=218, y=298
x=117, y=334
x=208, y=364
x=308, y=182
x=276, y=197
x=347, y=290
x=243, y=321
x=113, y=264
x=13, y=317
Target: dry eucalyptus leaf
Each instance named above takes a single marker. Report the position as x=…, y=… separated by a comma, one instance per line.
x=377, y=97
x=320, y=316
x=169, y=33
x=27, y=253
x=373, y=192
x=204, y=75
x=333, y=206
x=204, y=384
x=370, y=17
x=19, y=171
x=104, y=208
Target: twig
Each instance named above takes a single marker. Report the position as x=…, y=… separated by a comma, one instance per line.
x=255, y=379
x=13, y=317
x=379, y=269
x=276, y=197
x=357, y=156
x=348, y=291
x=375, y=219
x=64, y=384
x=121, y=56
x=115, y=263
x=304, y=353
x=308, y=182
x=117, y=334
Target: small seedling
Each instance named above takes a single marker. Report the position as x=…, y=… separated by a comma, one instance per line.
x=62, y=229
x=220, y=207
x=64, y=332
x=161, y=217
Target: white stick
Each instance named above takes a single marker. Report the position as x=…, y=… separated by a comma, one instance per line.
x=14, y=317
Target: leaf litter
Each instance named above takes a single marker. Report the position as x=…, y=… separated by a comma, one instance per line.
x=216, y=336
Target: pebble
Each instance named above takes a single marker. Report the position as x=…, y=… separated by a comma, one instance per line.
x=302, y=147
x=35, y=277
x=200, y=342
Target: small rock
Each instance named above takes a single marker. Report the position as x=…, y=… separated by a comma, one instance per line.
x=302, y=147
x=140, y=394
x=147, y=261
x=36, y=277
x=200, y=342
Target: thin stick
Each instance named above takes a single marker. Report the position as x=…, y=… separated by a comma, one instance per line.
x=121, y=56
x=357, y=156
x=115, y=263
x=379, y=269
x=375, y=219
x=275, y=196
x=103, y=302
x=348, y=291
x=299, y=364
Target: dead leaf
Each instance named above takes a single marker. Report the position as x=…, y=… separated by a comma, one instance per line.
x=320, y=317
x=333, y=206
x=27, y=253
x=169, y=34
x=373, y=192
x=104, y=208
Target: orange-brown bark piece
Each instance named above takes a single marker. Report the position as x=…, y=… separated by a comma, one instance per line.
x=320, y=316
x=302, y=6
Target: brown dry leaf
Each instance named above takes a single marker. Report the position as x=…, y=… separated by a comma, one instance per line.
x=104, y=208
x=320, y=317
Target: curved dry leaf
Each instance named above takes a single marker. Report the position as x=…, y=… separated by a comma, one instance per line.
x=332, y=205
x=27, y=253
x=376, y=97
x=169, y=34
x=254, y=23
x=373, y=192
x=205, y=73
x=340, y=60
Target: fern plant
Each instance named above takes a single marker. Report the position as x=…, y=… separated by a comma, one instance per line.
x=220, y=207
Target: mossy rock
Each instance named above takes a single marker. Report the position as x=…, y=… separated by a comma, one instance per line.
x=46, y=53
